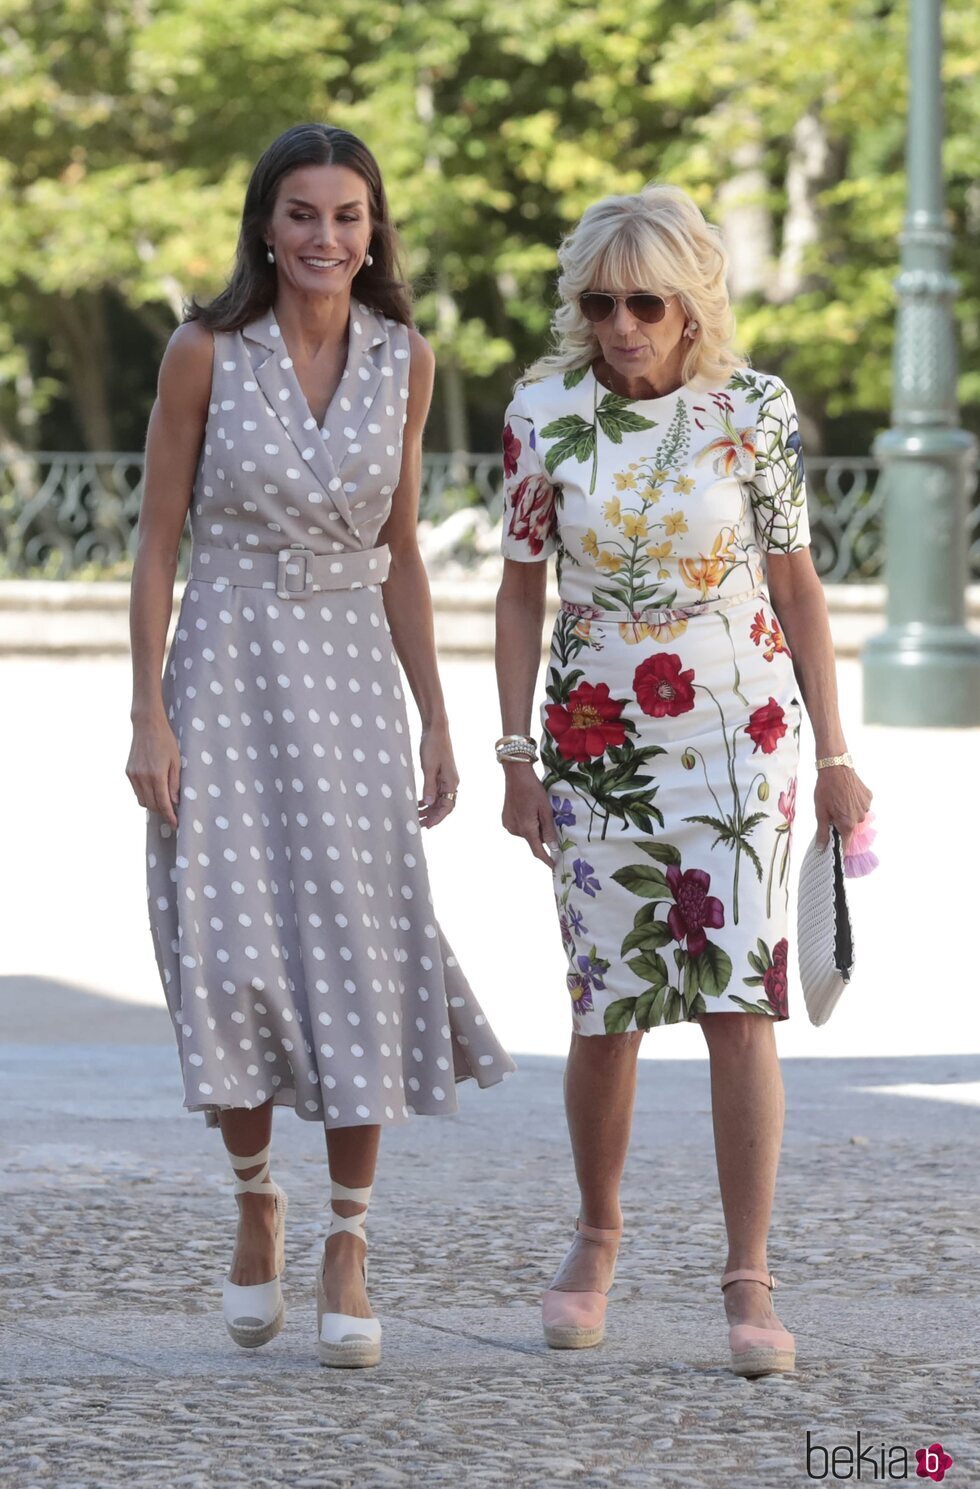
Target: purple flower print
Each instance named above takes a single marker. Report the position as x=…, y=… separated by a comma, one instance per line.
x=576, y=922
x=594, y=968
x=585, y=877
x=581, y=991
x=568, y=939
x=564, y=816
x=694, y=909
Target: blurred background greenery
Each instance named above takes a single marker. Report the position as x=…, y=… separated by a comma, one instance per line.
x=129, y=130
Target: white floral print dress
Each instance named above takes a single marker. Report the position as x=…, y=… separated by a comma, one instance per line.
x=671, y=724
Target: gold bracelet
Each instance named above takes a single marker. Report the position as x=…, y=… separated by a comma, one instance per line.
x=829, y=760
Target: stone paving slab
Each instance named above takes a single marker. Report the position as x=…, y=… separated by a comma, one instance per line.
x=117, y=1221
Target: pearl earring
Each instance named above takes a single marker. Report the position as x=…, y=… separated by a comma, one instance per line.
x=692, y=329
x=368, y=259
x=270, y=256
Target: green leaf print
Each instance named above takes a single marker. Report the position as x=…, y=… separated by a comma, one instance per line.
x=647, y=938
x=576, y=440
x=573, y=378
x=650, y=1008
x=713, y=970
x=662, y=852
x=619, y=1015
x=763, y=1005
x=651, y=969
x=674, y=1007
x=640, y=878
x=615, y=418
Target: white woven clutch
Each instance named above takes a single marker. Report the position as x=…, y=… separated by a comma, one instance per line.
x=825, y=939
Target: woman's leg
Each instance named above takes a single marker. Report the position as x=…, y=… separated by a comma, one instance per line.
x=247, y=1131
x=600, y=1087
x=747, y=1105
x=352, y=1153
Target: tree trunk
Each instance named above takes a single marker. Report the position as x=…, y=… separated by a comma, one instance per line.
x=79, y=332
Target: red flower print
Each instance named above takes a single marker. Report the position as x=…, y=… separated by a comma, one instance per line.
x=533, y=512
x=769, y=635
x=775, y=979
x=512, y=450
x=932, y=1462
x=694, y=907
x=588, y=724
x=661, y=687
x=766, y=727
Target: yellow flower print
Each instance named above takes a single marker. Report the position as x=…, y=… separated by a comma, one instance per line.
x=625, y=482
x=668, y=630
x=705, y=574
x=659, y=550
x=634, y=525
x=652, y=494
x=609, y=561
x=684, y=484
x=633, y=631
x=612, y=512
x=590, y=543
x=675, y=522
x=659, y=476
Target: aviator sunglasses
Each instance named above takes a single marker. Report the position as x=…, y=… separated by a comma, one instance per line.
x=597, y=305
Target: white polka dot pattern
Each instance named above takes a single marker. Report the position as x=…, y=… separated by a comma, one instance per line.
x=290, y=911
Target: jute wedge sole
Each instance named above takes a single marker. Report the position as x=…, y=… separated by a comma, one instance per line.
x=756, y=1350
x=557, y=1337
x=751, y=1362
x=344, y=1341
x=250, y=1336
x=254, y=1315
x=577, y=1320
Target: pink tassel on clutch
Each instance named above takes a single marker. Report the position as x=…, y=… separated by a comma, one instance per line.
x=859, y=859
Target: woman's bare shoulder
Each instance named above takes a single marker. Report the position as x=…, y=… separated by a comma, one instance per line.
x=188, y=362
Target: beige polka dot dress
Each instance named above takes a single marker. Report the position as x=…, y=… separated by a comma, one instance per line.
x=290, y=911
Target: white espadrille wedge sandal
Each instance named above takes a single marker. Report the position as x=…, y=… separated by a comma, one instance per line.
x=344, y=1341
x=254, y=1315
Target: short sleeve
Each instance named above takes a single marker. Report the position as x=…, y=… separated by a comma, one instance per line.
x=530, y=518
x=779, y=486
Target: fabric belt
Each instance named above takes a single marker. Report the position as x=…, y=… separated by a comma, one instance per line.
x=294, y=573
x=648, y=616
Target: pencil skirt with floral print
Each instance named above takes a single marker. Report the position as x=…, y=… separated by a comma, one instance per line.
x=671, y=766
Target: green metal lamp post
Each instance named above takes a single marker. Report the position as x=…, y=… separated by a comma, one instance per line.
x=924, y=668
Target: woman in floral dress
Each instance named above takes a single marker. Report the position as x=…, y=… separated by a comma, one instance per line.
x=667, y=477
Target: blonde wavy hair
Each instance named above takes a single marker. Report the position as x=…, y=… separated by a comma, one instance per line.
x=657, y=238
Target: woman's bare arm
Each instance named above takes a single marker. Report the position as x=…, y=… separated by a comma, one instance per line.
x=407, y=599
x=173, y=447
x=801, y=607
x=520, y=620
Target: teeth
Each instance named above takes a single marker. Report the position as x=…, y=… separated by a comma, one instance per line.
x=323, y=263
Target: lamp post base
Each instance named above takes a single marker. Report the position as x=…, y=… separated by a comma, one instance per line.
x=922, y=676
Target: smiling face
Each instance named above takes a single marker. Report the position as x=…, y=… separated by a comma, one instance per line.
x=320, y=229
x=635, y=350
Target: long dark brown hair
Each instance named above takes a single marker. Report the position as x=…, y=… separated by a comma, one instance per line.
x=251, y=289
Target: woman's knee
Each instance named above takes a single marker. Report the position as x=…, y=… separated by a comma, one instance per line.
x=736, y=1031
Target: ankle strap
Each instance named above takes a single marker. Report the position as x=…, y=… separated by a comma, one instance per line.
x=354, y=1224
x=594, y=1233
x=259, y=1183
x=746, y=1274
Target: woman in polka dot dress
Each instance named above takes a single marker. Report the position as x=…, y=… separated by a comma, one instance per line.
x=289, y=902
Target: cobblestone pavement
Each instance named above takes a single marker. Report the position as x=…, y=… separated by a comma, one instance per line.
x=117, y=1220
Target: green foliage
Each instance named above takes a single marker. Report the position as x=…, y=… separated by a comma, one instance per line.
x=129, y=130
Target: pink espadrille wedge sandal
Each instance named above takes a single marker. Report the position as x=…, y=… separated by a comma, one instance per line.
x=577, y=1320
x=757, y=1351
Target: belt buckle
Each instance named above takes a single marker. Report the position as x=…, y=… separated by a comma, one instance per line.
x=284, y=567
